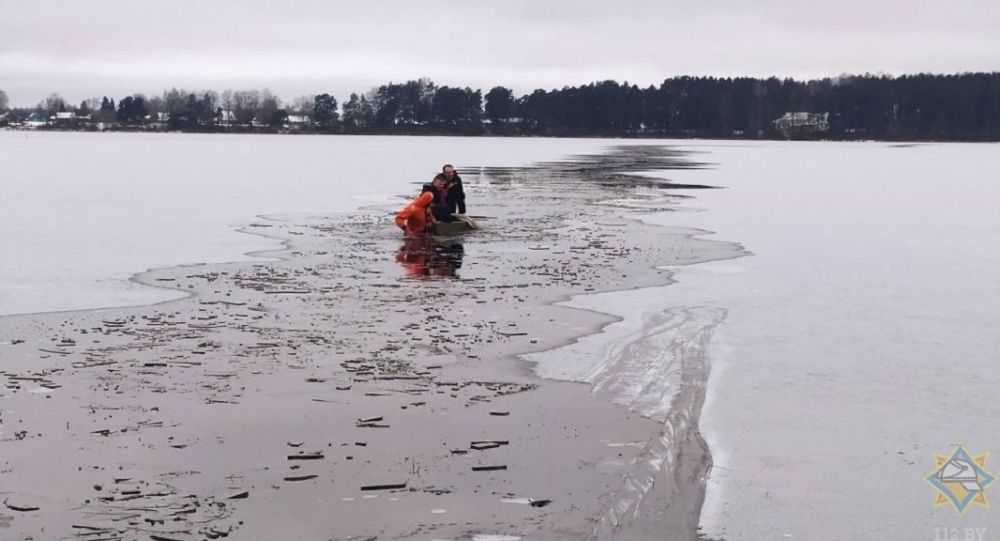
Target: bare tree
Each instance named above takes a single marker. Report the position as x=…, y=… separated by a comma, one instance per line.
x=303, y=105
x=175, y=101
x=90, y=105
x=210, y=99
x=269, y=109
x=245, y=104
x=155, y=105
x=226, y=101
x=53, y=104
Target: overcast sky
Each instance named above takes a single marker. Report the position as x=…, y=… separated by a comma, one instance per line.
x=83, y=49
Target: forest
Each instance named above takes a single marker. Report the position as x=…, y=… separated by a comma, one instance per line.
x=962, y=107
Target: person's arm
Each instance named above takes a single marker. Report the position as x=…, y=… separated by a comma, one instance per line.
x=460, y=197
x=424, y=204
x=403, y=216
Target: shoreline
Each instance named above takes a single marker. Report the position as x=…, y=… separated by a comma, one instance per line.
x=617, y=136
x=501, y=345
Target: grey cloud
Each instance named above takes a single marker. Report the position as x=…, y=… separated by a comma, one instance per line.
x=114, y=47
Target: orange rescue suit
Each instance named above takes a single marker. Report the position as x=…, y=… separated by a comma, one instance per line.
x=413, y=217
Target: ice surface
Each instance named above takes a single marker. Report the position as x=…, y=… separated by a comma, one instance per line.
x=860, y=339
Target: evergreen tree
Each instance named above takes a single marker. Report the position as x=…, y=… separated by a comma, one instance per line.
x=499, y=104
x=325, y=111
x=357, y=112
x=923, y=106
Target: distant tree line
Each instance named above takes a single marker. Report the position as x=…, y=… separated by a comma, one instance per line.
x=924, y=106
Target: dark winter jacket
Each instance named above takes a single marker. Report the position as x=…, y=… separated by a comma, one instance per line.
x=448, y=203
x=456, y=195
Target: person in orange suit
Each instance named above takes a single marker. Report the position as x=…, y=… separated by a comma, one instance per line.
x=414, y=218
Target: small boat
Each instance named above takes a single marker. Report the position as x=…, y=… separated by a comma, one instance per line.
x=447, y=229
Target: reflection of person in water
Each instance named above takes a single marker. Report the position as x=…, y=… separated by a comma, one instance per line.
x=422, y=257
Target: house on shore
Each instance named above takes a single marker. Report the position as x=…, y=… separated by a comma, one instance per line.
x=36, y=121
x=802, y=124
x=297, y=122
x=158, y=121
x=225, y=118
x=68, y=120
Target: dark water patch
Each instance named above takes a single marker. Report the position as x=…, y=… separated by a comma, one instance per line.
x=621, y=166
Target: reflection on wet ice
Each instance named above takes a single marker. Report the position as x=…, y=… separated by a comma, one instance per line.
x=426, y=257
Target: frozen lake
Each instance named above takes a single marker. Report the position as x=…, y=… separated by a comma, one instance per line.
x=861, y=338
x=858, y=341
x=80, y=213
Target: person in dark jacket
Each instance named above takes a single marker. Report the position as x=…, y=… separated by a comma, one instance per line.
x=440, y=208
x=449, y=196
x=456, y=195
